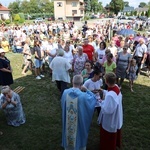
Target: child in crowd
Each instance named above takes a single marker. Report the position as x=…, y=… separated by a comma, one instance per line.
x=132, y=73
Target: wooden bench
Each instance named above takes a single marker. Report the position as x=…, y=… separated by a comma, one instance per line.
x=19, y=89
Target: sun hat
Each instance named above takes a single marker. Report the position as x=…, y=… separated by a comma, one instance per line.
x=1, y=50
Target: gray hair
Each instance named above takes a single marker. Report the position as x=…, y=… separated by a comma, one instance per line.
x=77, y=80
x=5, y=89
x=60, y=52
x=80, y=48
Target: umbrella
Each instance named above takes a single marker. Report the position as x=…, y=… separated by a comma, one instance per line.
x=126, y=32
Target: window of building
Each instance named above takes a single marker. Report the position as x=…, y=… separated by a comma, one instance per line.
x=74, y=4
x=59, y=4
x=81, y=11
x=74, y=12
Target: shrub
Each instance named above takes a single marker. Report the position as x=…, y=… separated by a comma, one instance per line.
x=21, y=15
x=148, y=13
x=142, y=14
x=135, y=13
x=86, y=17
x=7, y=21
x=21, y=20
x=16, y=17
x=131, y=14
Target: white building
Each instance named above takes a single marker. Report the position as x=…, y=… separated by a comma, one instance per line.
x=4, y=12
x=69, y=9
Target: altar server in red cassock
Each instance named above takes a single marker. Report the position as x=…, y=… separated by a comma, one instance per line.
x=111, y=115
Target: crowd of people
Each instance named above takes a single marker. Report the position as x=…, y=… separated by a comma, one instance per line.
x=98, y=63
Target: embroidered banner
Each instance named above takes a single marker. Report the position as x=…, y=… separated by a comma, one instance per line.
x=71, y=121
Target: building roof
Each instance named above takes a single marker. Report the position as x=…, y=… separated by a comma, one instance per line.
x=2, y=8
x=127, y=9
x=141, y=9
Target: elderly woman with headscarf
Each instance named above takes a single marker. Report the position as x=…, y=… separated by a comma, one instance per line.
x=60, y=70
x=12, y=107
x=79, y=61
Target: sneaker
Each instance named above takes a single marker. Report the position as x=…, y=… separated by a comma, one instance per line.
x=42, y=76
x=38, y=78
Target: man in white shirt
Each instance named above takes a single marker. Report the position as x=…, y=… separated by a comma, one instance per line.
x=140, y=54
x=60, y=71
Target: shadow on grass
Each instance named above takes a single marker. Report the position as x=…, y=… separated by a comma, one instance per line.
x=42, y=130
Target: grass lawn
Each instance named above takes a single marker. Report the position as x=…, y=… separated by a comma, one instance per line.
x=41, y=103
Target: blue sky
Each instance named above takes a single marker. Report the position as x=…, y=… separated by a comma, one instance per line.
x=133, y=3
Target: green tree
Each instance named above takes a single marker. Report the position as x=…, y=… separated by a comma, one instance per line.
x=21, y=15
x=135, y=13
x=25, y=6
x=16, y=18
x=142, y=4
x=46, y=6
x=131, y=14
x=34, y=6
x=142, y=14
x=15, y=7
x=87, y=5
x=100, y=7
x=127, y=14
x=148, y=13
x=96, y=6
x=126, y=4
x=116, y=6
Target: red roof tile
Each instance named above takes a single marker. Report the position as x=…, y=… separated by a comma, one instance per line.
x=2, y=8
